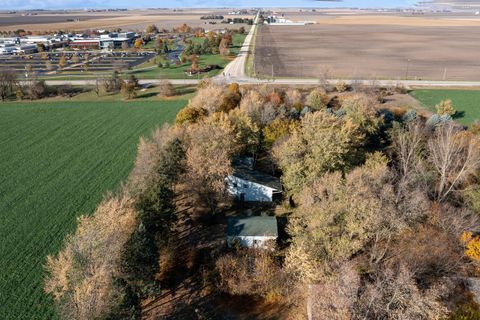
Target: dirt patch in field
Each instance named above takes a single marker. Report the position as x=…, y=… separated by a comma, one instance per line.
x=369, y=51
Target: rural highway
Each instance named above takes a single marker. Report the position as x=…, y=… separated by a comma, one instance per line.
x=386, y=83
x=236, y=69
x=235, y=72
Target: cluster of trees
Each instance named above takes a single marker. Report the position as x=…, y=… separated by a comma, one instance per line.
x=238, y=20
x=382, y=209
x=161, y=45
x=115, y=84
x=383, y=220
x=184, y=28
x=152, y=29
x=11, y=87
x=213, y=43
x=381, y=238
x=212, y=17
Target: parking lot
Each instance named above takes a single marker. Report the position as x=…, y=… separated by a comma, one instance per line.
x=47, y=64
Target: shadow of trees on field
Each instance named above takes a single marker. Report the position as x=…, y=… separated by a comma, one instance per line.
x=147, y=95
x=459, y=115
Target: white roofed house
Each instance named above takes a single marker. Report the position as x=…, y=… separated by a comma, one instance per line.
x=247, y=184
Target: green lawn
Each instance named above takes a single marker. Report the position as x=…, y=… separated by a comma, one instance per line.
x=146, y=71
x=182, y=92
x=466, y=102
x=249, y=65
x=57, y=159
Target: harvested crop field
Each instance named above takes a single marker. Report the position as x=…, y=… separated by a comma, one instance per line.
x=57, y=159
x=347, y=49
x=7, y=21
x=135, y=20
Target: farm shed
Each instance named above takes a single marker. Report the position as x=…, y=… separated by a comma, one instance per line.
x=252, y=232
x=247, y=184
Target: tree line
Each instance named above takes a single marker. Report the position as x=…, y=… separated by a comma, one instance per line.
x=381, y=207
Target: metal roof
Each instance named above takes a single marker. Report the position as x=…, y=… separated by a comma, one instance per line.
x=258, y=177
x=252, y=226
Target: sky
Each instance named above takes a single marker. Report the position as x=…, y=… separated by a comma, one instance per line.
x=80, y=4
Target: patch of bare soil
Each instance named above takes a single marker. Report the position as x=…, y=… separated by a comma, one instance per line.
x=402, y=100
x=405, y=102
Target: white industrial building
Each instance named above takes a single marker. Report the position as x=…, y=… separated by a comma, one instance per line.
x=112, y=40
x=7, y=48
x=282, y=21
x=29, y=44
x=252, y=232
x=14, y=48
x=27, y=48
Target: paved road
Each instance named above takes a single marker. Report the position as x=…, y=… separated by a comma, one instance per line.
x=235, y=70
x=386, y=83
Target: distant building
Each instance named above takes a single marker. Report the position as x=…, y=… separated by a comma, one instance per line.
x=115, y=43
x=26, y=48
x=128, y=35
x=7, y=48
x=252, y=232
x=85, y=44
x=247, y=184
x=282, y=21
x=47, y=40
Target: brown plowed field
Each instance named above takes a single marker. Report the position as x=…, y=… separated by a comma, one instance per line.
x=356, y=49
x=134, y=20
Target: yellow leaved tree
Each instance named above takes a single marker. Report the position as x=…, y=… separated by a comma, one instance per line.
x=472, y=245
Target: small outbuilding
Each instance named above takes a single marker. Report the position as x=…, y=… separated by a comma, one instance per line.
x=247, y=184
x=252, y=232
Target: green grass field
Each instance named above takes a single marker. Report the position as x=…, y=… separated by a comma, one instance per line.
x=57, y=160
x=466, y=102
x=149, y=69
x=249, y=65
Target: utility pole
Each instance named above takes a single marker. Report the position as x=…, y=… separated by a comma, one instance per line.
x=408, y=66
x=273, y=78
x=301, y=68
x=445, y=74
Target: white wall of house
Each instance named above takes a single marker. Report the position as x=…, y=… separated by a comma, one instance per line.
x=251, y=191
x=250, y=241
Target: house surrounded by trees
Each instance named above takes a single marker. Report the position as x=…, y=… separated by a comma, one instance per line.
x=248, y=184
x=252, y=232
